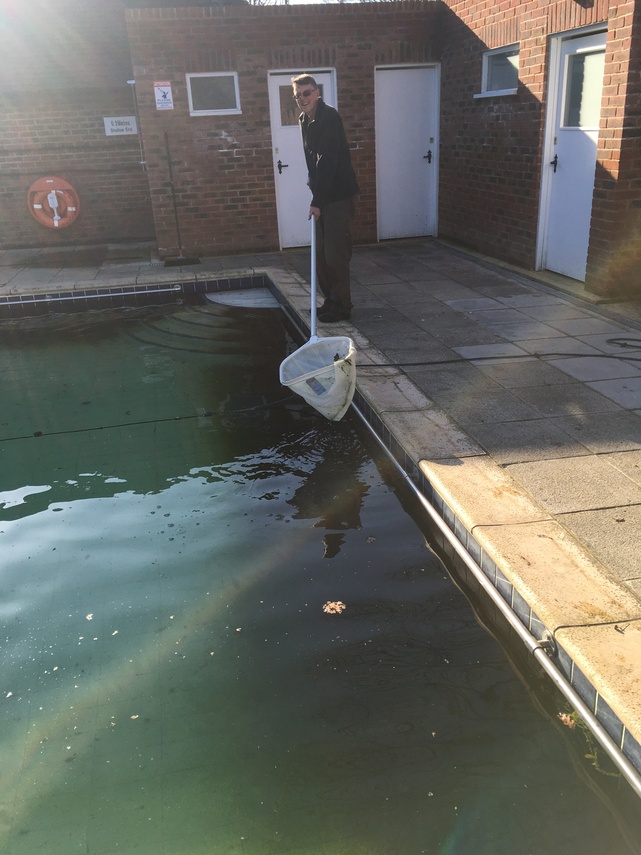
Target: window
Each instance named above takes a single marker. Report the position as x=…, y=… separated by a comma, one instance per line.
x=213, y=94
x=500, y=72
x=584, y=79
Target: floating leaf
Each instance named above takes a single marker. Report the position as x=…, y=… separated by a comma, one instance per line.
x=567, y=720
x=334, y=608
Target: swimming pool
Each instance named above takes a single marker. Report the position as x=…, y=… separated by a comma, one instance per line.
x=173, y=525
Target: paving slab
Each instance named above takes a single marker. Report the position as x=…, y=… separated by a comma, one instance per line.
x=555, y=312
x=577, y=484
x=610, y=343
x=522, y=330
x=591, y=368
x=612, y=536
x=526, y=441
x=586, y=327
x=529, y=299
x=455, y=376
x=625, y=392
x=497, y=350
x=628, y=462
x=559, y=346
x=526, y=371
x=568, y=399
x=490, y=403
x=7, y=274
x=610, y=432
x=476, y=304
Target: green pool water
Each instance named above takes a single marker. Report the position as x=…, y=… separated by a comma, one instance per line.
x=172, y=524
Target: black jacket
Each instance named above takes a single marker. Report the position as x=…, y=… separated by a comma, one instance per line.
x=329, y=165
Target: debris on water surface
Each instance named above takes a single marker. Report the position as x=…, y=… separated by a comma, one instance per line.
x=567, y=720
x=334, y=608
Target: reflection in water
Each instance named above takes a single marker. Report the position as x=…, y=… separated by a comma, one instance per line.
x=333, y=490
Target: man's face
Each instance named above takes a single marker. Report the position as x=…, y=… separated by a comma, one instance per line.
x=306, y=96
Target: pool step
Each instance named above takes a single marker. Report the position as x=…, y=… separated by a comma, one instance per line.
x=205, y=330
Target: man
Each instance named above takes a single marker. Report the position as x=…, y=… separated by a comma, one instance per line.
x=333, y=184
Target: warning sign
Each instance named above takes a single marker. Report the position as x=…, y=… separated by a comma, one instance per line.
x=163, y=94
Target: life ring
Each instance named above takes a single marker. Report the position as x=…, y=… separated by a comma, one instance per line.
x=53, y=202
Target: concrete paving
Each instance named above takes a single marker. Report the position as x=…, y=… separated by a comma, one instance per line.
x=517, y=398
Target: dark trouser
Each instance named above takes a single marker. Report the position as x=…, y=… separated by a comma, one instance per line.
x=334, y=251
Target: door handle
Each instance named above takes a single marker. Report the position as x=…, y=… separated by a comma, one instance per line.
x=428, y=156
x=555, y=162
x=281, y=166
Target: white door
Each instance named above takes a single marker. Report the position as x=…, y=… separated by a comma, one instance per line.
x=290, y=170
x=576, y=83
x=407, y=110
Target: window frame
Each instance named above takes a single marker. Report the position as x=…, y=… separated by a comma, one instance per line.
x=506, y=50
x=227, y=111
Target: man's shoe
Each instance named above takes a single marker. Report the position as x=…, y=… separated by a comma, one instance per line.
x=334, y=314
x=327, y=305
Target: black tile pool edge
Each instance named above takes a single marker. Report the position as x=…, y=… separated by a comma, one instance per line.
x=17, y=306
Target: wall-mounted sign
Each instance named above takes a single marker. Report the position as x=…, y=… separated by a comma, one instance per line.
x=118, y=126
x=164, y=98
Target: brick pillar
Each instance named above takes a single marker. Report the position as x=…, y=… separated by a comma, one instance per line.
x=614, y=260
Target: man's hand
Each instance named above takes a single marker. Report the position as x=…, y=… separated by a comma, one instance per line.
x=314, y=212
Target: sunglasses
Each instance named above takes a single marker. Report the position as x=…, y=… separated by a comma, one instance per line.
x=304, y=94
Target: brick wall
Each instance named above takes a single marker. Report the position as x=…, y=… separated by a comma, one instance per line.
x=490, y=169
x=64, y=67
x=614, y=258
x=223, y=166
